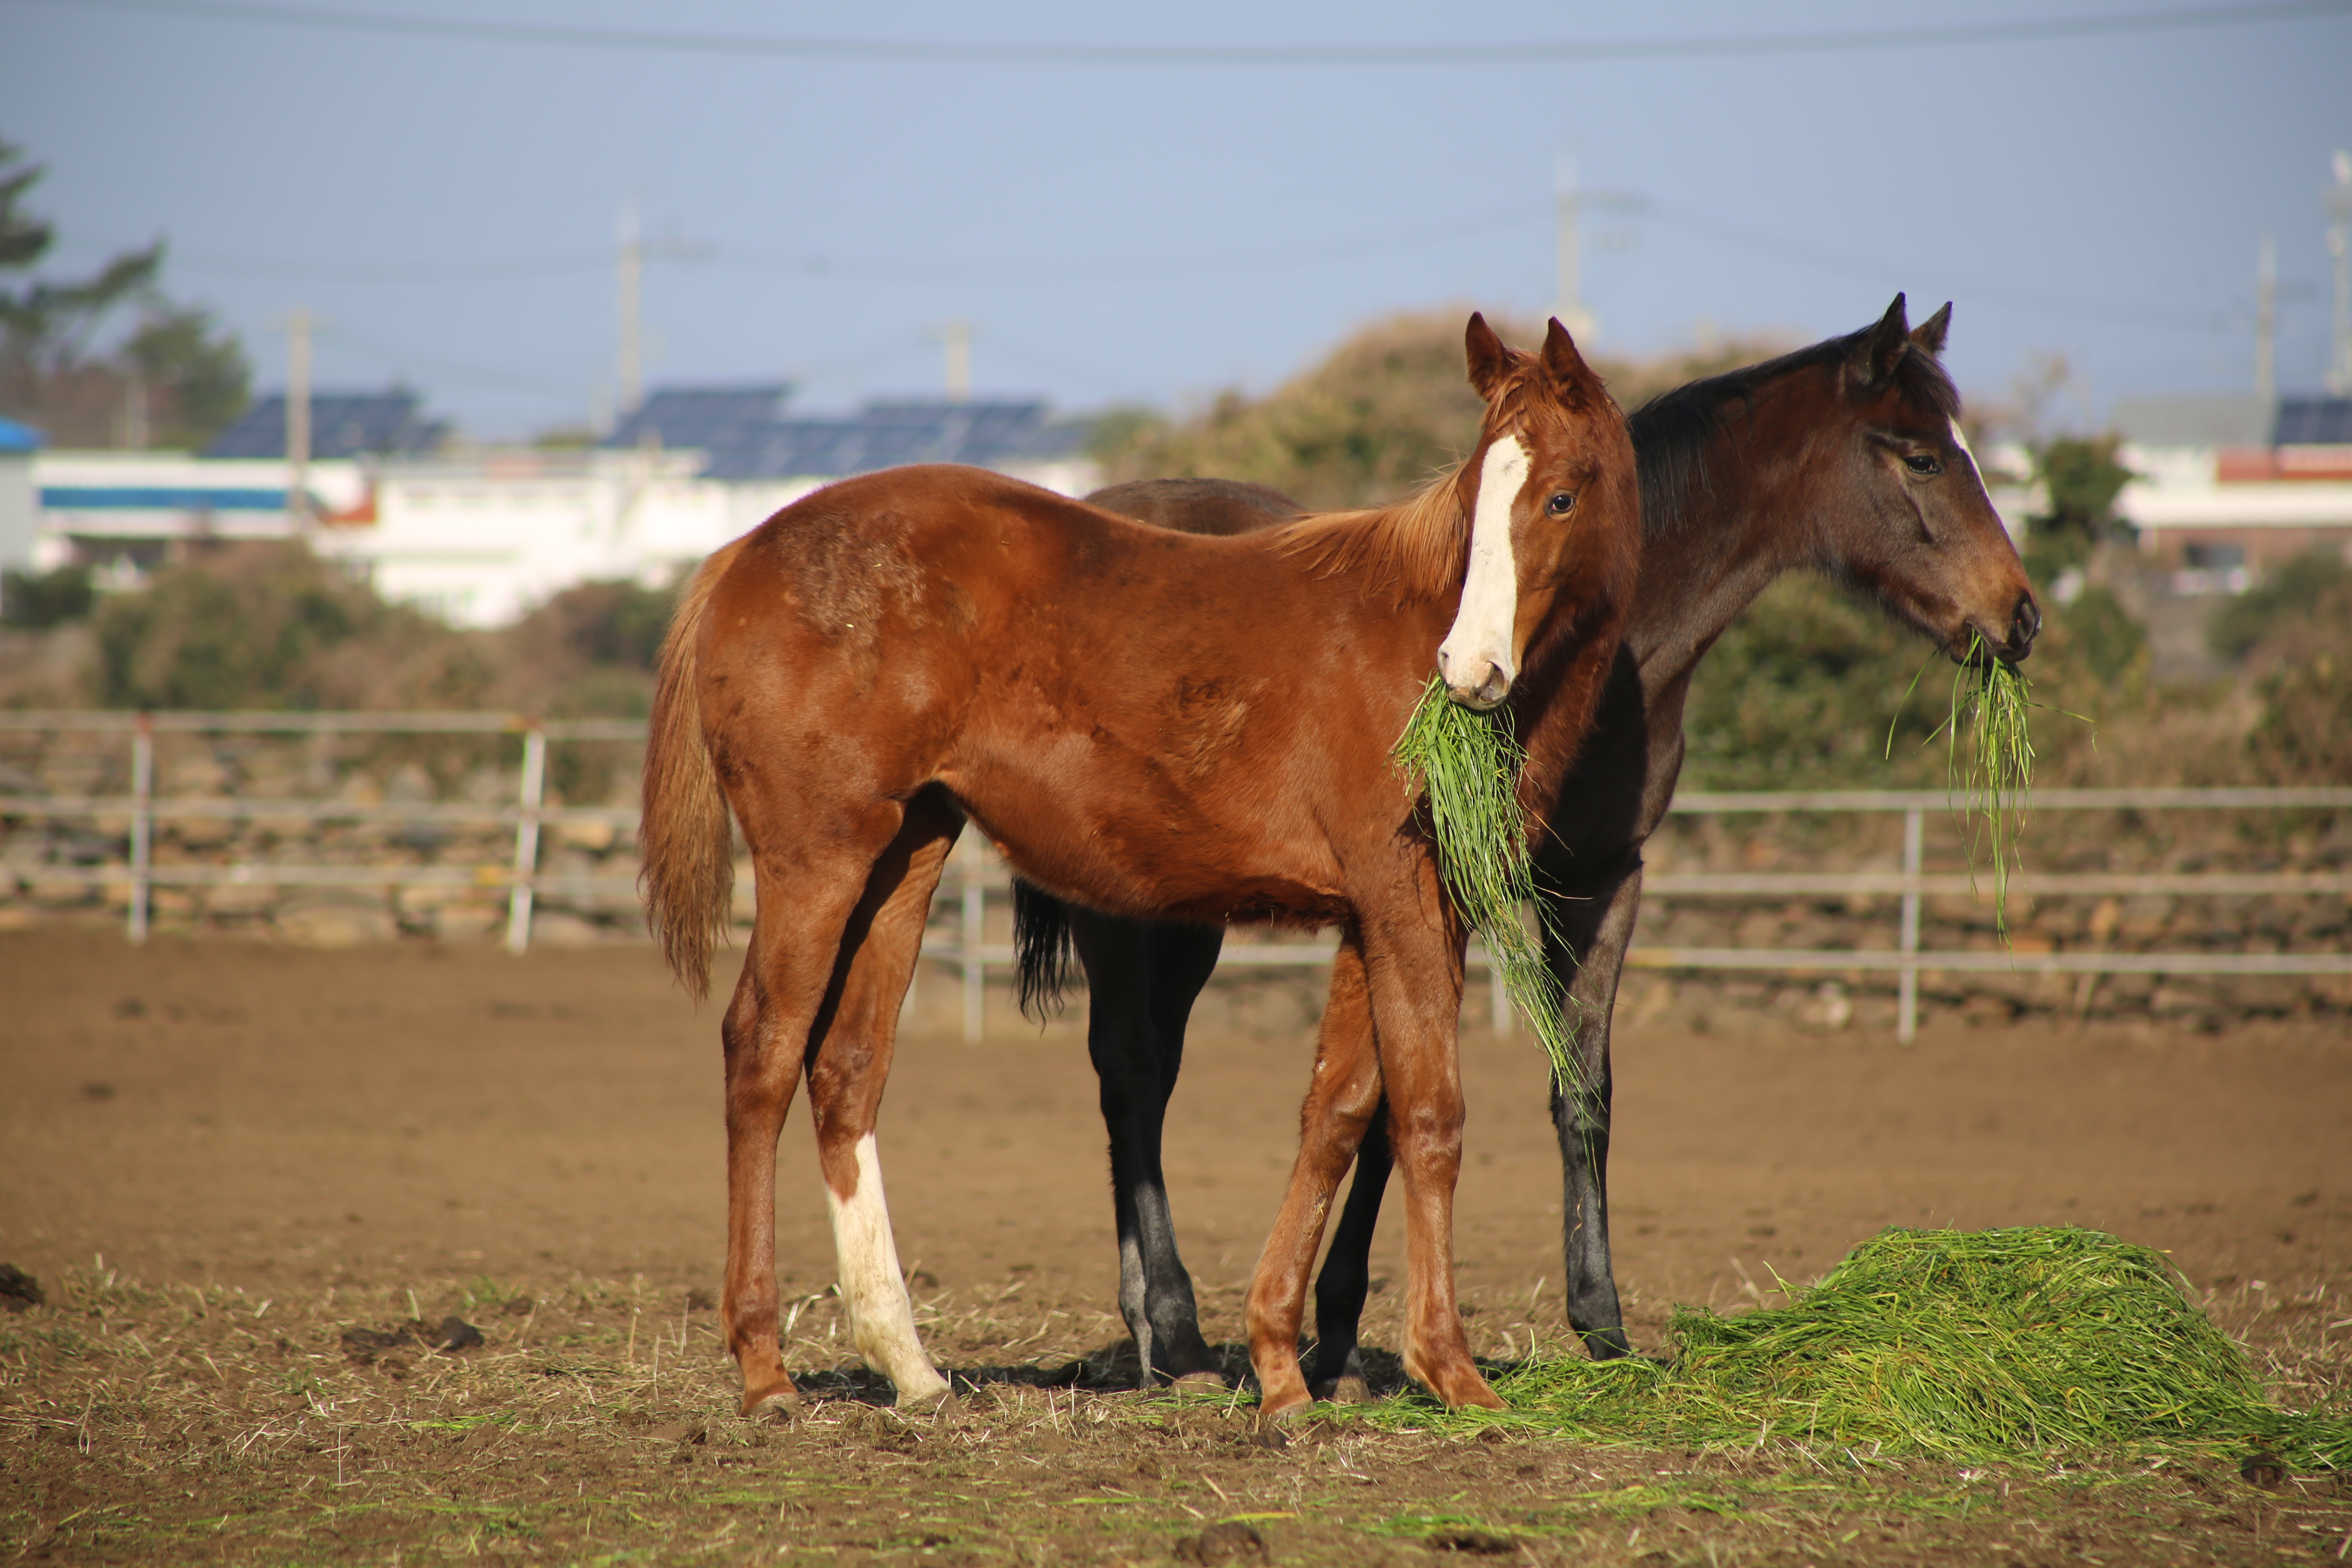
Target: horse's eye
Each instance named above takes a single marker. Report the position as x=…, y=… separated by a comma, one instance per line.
x=1561, y=504
x=1923, y=464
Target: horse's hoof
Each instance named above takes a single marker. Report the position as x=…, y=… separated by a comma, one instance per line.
x=1479, y=1397
x=1269, y=1433
x=779, y=1401
x=1350, y=1390
x=1200, y=1382
x=939, y=1402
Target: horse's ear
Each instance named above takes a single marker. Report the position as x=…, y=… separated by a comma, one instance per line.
x=1930, y=334
x=1881, y=348
x=1490, y=362
x=1560, y=358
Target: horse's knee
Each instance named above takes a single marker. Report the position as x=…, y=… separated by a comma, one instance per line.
x=1431, y=1125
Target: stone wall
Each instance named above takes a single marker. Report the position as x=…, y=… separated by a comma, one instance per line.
x=445, y=772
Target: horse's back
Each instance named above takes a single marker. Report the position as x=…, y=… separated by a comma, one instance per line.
x=1214, y=507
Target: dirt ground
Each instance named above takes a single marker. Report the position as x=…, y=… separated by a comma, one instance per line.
x=218, y=1156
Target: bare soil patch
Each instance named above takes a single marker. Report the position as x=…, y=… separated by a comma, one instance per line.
x=268, y=1147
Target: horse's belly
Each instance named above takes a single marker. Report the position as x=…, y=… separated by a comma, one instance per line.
x=1142, y=853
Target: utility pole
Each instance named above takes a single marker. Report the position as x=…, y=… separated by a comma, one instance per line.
x=2266, y=320
x=298, y=419
x=134, y=410
x=955, y=337
x=1571, y=308
x=628, y=370
x=2338, y=202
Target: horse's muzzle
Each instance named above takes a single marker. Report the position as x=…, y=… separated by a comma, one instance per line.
x=1485, y=692
x=2014, y=642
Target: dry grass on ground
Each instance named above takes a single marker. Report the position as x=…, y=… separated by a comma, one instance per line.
x=146, y=1424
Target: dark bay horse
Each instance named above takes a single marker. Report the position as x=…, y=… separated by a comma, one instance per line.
x=1844, y=457
x=1152, y=723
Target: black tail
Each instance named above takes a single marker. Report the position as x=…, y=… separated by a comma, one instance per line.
x=1043, y=949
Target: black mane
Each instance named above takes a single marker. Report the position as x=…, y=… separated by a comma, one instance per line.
x=1674, y=432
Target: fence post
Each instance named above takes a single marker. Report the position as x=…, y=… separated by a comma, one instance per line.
x=530, y=797
x=975, y=916
x=143, y=821
x=1907, y=1004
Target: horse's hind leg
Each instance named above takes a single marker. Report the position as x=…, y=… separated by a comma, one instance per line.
x=857, y=1031
x=1142, y=979
x=766, y=1036
x=1346, y=1278
x=788, y=992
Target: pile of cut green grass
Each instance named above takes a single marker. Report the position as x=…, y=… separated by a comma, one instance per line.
x=1968, y=1345
x=1469, y=762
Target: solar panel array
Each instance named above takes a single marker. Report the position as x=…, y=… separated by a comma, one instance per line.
x=746, y=435
x=702, y=418
x=342, y=424
x=2313, y=422
x=886, y=434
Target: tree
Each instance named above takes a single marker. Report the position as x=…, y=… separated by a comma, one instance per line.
x=175, y=378
x=2083, y=478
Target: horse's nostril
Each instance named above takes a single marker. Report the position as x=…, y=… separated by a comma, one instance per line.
x=2024, y=624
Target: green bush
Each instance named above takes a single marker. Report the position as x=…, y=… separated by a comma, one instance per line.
x=2303, y=730
x=2293, y=590
x=1798, y=694
x=37, y=601
x=272, y=625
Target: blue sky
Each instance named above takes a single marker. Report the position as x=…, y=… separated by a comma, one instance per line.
x=1155, y=231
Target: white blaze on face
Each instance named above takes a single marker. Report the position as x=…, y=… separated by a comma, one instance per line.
x=881, y=1318
x=1961, y=440
x=1483, y=626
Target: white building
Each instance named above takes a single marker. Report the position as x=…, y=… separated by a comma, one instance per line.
x=478, y=537
x=123, y=512
x=2226, y=489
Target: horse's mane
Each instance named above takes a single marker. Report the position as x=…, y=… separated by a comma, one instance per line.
x=1674, y=432
x=1414, y=548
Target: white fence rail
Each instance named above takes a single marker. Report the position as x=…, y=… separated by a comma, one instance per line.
x=979, y=876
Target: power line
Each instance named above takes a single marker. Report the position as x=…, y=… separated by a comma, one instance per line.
x=1138, y=269
x=818, y=264
x=652, y=40
x=1974, y=289
x=1058, y=274
x=522, y=268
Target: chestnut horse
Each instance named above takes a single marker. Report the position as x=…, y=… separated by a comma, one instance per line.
x=1148, y=722
x=1844, y=457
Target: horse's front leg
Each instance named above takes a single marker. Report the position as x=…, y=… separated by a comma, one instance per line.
x=1416, y=978
x=1340, y=1100
x=1595, y=932
x=1142, y=979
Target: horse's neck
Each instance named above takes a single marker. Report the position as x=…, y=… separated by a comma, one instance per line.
x=1706, y=567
